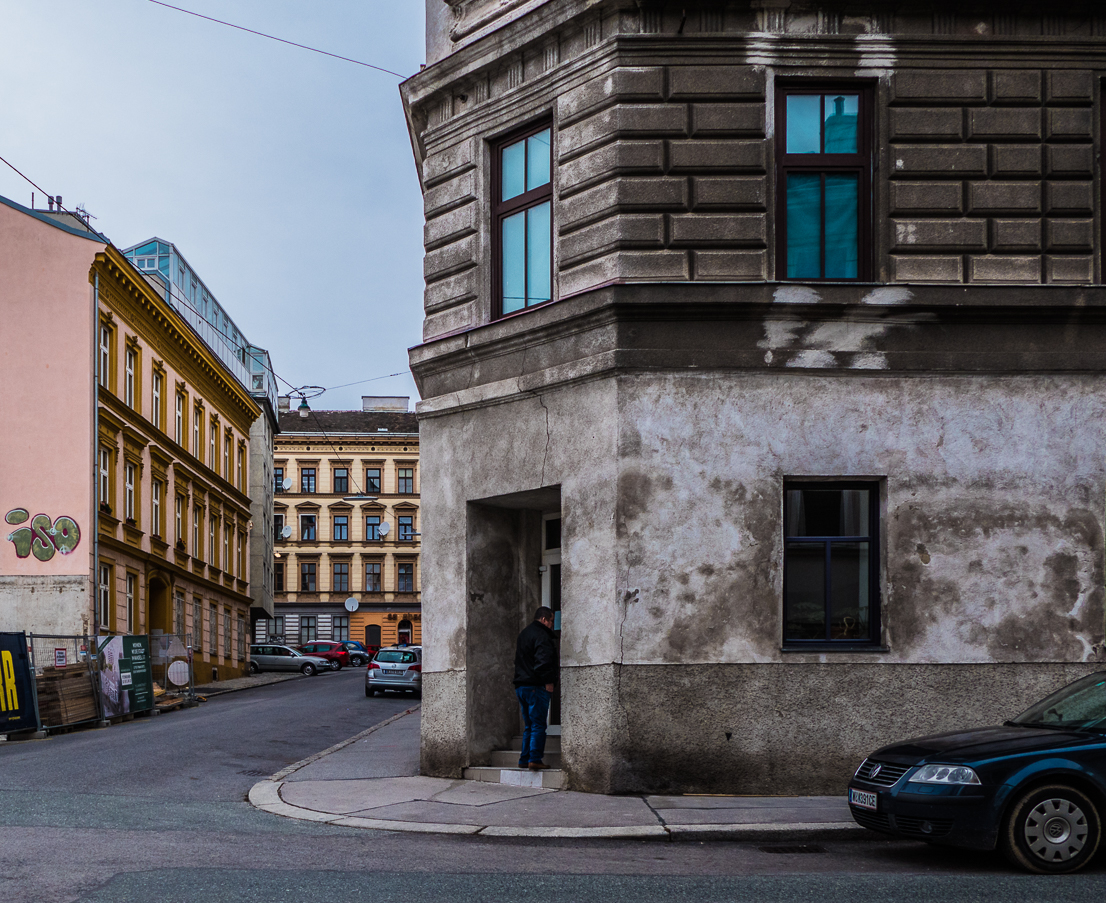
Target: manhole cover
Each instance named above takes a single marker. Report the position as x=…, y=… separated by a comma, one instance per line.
x=794, y=849
x=254, y=773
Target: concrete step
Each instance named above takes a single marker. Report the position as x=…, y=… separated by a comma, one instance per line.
x=508, y=758
x=552, y=743
x=549, y=779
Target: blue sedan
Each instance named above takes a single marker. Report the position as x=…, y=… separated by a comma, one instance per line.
x=1035, y=787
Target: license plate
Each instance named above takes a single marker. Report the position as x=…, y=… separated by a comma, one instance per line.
x=386, y=671
x=863, y=799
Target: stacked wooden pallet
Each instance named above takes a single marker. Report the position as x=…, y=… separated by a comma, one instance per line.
x=66, y=695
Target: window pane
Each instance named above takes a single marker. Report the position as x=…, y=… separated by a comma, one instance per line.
x=841, y=119
x=804, y=225
x=827, y=512
x=537, y=160
x=538, y=242
x=849, y=611
x=514, y=170
x=514, y=262
x=842, y=237
x=805, y=578
x=804, y=121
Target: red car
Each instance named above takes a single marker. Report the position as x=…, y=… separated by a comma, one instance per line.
x=333, y=652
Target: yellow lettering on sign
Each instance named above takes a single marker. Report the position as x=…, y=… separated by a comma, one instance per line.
x=8, y=699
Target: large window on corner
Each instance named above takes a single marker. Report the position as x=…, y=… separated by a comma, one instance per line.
x=831, y=563
x=824, y=182
x=522, y=220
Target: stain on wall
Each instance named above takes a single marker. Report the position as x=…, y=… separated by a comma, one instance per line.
x=44, y=537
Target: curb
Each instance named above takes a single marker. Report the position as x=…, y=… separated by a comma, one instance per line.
x=211, y=694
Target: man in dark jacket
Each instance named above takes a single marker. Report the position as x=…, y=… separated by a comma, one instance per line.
x=536, y=668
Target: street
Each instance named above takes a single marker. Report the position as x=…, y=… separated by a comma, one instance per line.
x=155, y=809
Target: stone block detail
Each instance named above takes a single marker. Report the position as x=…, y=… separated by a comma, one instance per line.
x=940, y=159
x=1016, y=234
x=613, y=197
x=617, y=86
x=925, y=122
x=927, y=269
x=451, y=291
x=1004, y=197
x=1068, y=124
x=994, y=268
x=450, y=226
x=1016, y=159
x=940, y=234
x=1069, y=269
x=1069, y=234
x=737, y=265
x=454, y=319
x=705, y=229
x=612, y=234
x=454, y=193
x=929, y=86
x=452, y=258
x=625, y=266
x=999, y=122
x=709, y=193
x=738, y=156
x=1069, y=197
x=621, y=158
x=1016, y=86
x=1070, y=86
x=715, y=82
x=1070, y=160
x=450, y=162
x=727, y=119
x=642, y=120
x=927, y=197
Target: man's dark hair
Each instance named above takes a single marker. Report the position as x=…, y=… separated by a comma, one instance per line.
x=543, y=614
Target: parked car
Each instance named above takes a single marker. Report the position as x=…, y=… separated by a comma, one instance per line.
x=270, y=657
x=334, y=652
x=1035, y=787
x=397, y=669
x=359, y=653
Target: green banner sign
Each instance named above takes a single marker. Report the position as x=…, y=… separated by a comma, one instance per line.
x=126, y=679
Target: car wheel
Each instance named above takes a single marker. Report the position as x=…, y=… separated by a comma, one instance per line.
x=356, y=661
x=308, y=669
x=337, y=666
x=255, y=668
x=1052, y=830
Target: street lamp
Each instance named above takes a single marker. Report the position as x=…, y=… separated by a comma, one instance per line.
x=304, y=393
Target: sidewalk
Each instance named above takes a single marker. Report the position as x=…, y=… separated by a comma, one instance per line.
x=372, y=781
x=244, y=683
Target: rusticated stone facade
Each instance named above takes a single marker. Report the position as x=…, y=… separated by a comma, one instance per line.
x=680, y=380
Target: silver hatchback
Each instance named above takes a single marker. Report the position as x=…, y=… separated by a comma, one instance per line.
x=270, y=657
x=396, y=668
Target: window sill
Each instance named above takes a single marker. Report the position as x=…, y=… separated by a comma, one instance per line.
x=835, y=647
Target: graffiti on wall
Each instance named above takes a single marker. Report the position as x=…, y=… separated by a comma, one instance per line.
x=42, y=537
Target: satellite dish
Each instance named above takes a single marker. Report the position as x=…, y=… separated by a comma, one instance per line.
x=287, y=484
x=385, y=529
x=286, y=532
x=351, y=604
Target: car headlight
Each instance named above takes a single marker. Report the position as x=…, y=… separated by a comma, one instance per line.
x=944, y=774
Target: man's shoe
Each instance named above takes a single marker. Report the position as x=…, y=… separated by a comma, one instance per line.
x=523, y=764
x=537, y=766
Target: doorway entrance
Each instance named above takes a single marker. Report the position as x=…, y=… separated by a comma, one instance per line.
x=551, y=597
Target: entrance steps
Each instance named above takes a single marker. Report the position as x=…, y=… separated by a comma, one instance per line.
x=503, y=768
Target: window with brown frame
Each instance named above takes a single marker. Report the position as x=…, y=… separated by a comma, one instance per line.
x=522, y=219
x=824, y=181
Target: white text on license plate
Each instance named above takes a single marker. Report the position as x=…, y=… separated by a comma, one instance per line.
x=386, y=671
x=863, y=799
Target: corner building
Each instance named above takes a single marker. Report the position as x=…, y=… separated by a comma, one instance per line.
x=761, y=340
x=347, y=526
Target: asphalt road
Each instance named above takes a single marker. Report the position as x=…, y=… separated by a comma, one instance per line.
x=155, y=810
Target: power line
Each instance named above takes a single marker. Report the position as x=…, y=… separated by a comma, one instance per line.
x=275, y=38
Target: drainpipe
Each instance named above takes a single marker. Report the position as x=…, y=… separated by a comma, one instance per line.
x=95, y=462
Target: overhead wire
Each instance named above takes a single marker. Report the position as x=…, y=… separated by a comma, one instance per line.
x=275, y=38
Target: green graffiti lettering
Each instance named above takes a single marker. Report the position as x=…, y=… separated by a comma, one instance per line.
x=17, y=515
x=67, y=535
x=43, y=538
x=43, y=546
x=22, y=539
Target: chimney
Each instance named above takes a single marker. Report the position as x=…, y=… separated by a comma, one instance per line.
x=284, y=404
x=58, y=199
x=393, y=404
x=50, y=201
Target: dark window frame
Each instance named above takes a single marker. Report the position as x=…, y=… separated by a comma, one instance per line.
x=308, y=628
x=308, y=478
x=372, y=479
x=309, y=577
x=278, y=577
x=372, y=531
x=862, y=162
x=341, y=480
x=874, y=641
x=341, y=526
x=339, y=576
x=375, y=569
x=500, y=210
x=405, y=527
x=402, y=584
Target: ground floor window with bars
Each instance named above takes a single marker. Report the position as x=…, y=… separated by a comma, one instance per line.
x=226, y=634
x=831, y=563
x=213, y=626
x=241, y=638
x=198, y=623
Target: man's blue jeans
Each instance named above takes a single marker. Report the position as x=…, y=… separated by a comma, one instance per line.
x=534, y=702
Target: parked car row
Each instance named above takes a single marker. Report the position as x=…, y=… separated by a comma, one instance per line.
x=309, y=658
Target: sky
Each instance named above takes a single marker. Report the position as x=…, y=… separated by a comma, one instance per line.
x=285, y=177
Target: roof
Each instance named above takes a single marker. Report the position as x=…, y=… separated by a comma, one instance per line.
x=81, y=231
x=348, y=422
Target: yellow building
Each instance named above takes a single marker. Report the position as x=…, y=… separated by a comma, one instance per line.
x=172, y=481
x=347, y=526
